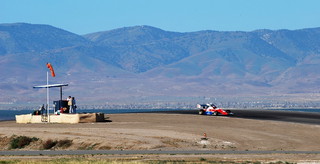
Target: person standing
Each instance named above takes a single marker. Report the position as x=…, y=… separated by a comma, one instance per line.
x=70, y=104
x=74, y=107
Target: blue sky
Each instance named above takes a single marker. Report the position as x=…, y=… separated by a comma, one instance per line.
x=87, y=16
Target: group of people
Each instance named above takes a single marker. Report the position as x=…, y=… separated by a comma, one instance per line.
x=72, y=104
x=70, y=108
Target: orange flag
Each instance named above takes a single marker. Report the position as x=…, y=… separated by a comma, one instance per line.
x=51, y=69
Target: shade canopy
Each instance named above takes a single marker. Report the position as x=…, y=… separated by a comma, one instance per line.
x=50, y=86
x=53, y=86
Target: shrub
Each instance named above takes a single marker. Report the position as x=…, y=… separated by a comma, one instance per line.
x=49, y=144
x=64, y=143
x=9, y=161
x=21, y=141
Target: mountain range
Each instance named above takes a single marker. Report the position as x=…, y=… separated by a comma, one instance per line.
x=144, y=63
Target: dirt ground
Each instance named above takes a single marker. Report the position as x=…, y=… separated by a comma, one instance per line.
x=157, y=131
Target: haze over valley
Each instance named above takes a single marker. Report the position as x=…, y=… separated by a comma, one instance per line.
x=144, y=64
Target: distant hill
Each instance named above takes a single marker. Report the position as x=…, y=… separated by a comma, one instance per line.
x=22, y=37
x=140, y=48
x=141, y=62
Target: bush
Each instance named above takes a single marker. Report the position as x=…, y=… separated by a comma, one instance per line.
x=49, y=144
x=9, y=162
x=21, y=141
x=64, y=143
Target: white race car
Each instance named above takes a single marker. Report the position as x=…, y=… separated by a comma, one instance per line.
x=211, y=109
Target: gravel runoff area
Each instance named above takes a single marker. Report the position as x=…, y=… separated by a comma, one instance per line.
x=160, y=131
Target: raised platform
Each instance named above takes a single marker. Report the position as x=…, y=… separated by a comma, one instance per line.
x=62, y=118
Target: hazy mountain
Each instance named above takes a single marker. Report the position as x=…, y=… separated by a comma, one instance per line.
x=22, y=37
x=297, y=43
x=143, y=61
x=140, y=48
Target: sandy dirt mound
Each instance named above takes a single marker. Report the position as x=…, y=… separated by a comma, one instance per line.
x=153, y=131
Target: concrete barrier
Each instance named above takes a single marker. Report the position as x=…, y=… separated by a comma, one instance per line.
x=62, y=118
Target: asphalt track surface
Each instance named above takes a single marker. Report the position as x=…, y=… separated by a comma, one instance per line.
x=288, y=116
x=126, y=152
x=274, y=115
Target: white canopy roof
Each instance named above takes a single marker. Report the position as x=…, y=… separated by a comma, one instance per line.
x=50, y=86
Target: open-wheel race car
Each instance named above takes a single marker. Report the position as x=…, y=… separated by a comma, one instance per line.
x=211, y=109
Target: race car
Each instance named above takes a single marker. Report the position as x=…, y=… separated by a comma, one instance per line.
x=211, y=109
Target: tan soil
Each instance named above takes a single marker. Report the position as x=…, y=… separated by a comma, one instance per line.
x=151, y=131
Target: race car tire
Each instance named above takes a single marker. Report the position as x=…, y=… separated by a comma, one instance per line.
x=201, y=112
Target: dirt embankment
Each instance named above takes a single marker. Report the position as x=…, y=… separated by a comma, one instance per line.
x=170, y=132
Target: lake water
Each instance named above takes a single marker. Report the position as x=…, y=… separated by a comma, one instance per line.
x=10, y=114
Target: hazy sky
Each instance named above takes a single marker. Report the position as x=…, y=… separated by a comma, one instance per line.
x=87, y=16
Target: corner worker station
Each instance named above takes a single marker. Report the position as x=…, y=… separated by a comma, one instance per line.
x=60, y=112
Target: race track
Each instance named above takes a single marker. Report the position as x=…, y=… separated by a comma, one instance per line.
x=275, y=115
x=155, y=152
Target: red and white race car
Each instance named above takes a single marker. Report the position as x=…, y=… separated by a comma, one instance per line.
x=211, y=109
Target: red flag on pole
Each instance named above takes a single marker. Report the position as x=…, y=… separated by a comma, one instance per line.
x=51, y=69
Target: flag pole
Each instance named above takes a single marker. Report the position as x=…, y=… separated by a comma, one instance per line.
x=53, y=75
x=48, y=108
